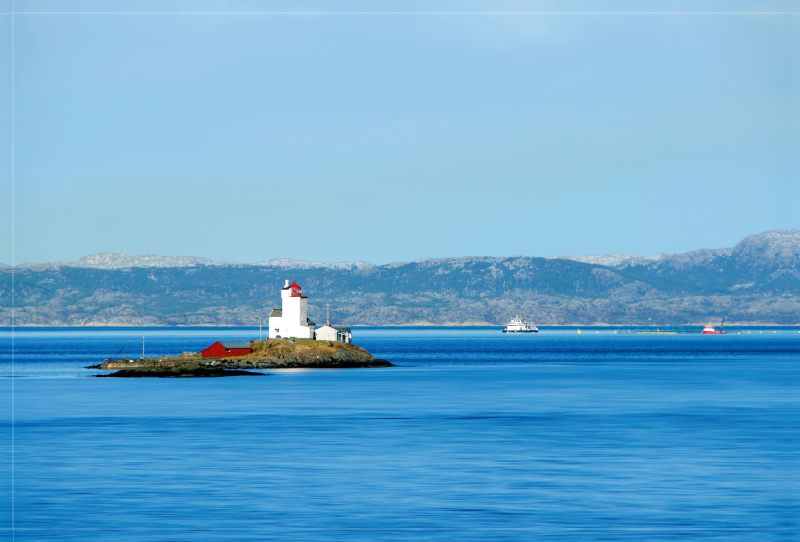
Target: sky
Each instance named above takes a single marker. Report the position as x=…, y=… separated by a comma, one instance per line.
x=331, y=134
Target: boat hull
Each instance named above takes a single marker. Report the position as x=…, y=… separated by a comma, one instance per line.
x=522, y=331
x=715, y=333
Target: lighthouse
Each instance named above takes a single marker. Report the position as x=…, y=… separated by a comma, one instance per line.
x=291, y=320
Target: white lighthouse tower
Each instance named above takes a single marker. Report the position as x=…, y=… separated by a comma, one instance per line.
x=291, y=320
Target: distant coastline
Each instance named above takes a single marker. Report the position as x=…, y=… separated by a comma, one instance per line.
x=410, y=326
x=757, y=282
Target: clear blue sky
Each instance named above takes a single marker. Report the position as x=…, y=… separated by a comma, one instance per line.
x=392, y=137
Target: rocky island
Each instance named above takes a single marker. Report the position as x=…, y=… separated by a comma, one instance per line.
x=269, y=354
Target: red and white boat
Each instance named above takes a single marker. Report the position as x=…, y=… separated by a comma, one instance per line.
x=709, y=330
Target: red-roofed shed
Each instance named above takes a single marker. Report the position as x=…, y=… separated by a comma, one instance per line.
x=226, y=349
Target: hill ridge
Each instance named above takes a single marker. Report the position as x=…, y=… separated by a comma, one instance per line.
x=784, y=244
x=758, y=281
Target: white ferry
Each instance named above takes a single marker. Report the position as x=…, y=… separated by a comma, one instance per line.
x=518, y=325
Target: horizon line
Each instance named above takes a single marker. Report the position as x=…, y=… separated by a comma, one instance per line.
x=468, y=13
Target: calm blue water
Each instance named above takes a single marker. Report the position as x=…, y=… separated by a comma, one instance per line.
x=475, y=436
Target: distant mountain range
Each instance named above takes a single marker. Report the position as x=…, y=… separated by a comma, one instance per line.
x=774, y=249
x=756, y=282
x=124, y=261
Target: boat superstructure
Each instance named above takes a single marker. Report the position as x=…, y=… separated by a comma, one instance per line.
x=518, y=325
x=710, y=330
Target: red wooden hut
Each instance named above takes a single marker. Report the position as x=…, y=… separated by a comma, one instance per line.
x=225, y=349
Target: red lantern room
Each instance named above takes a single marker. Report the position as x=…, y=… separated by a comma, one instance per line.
x=295, y=289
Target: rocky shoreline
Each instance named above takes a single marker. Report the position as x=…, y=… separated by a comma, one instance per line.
x=271, y=354
x=193, y=372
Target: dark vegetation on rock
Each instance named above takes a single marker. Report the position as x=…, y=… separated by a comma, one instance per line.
x=756, y=282
x=184, y=372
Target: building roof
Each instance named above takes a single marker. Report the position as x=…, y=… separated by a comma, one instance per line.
x=276, y=312
x=294, y=286
x=347, y=329
x=235, y=344
x=310, y=323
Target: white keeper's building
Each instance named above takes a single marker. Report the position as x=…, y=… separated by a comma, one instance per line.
x=291, y=320
x=330, y=333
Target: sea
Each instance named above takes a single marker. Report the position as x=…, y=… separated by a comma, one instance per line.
x=474, y=435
